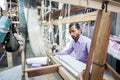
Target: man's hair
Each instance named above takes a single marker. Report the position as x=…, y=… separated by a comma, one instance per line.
x=76, y=25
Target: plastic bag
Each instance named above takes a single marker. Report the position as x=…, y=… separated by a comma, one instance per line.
x=12, y=44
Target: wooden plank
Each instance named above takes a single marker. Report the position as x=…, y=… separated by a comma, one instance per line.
x=23, y=65
x=112, y=6
x=23, y=60
x=100, y=52
x=39, y=7
x=116, y=0
x=77, y=18
x=73, y=9
x=9, y=59
x=42, y=70
x=93, y=43
x=113, y=72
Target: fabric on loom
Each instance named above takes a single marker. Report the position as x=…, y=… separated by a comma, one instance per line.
x=70, y=63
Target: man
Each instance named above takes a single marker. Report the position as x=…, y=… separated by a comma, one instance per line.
x=80, y=45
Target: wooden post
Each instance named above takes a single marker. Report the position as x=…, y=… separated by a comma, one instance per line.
x=100, y=52
x=93, y=43
x=114, y=5
x=75, y=18
x=23, y=60
x=9, y=59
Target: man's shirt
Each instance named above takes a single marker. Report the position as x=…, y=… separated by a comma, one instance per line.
x=80, y=47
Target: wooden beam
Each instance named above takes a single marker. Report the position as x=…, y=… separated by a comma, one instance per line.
x=93, y=43
x=73, y=9
x=113, y=72
x=23, y=60
x=76, y=18
x=112, y=6
x=10, y=59
x=39, y=7
x=116, y=0
x=100, y=52
x=42, y=70
x=23, y=65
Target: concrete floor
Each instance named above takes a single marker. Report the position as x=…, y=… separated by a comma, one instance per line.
x=12, y=74
x=16, y=60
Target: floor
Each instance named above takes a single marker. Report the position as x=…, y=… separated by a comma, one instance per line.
x=16, y=60
x=12, y=74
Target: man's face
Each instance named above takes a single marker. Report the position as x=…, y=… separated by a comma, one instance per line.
x=74, y=32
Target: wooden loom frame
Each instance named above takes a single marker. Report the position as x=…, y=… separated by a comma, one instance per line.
x=57, y=68
x=96, y=41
